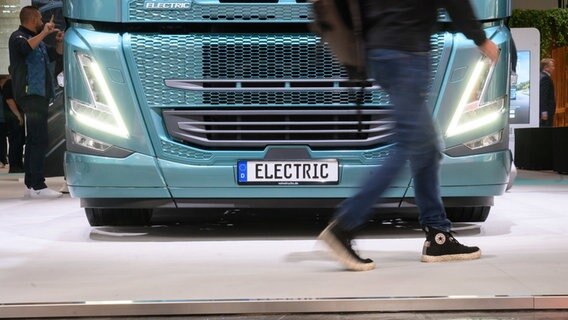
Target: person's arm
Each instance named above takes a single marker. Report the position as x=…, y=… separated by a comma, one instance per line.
x=36, y=40
x=490, y=50
x=14, y=108
x=464, y=19
x=551, y=99
x=55, y=52
x=11, y=102
x=48, y=28
x=545, y=86
x=59, y=42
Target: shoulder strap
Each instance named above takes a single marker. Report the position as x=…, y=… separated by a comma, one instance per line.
x=357, y=21
x=360, y=75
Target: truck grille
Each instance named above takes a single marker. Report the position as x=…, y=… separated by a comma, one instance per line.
x=236, y=57
x=248, y=91
x=318, y=128
x=197, y=57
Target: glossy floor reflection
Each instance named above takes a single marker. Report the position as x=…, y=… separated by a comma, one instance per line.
x=49, y=253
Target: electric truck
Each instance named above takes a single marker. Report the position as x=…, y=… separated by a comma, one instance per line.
x=192, y=104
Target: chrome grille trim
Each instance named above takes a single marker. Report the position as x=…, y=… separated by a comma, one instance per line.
x=259, y=128
x=256, y=85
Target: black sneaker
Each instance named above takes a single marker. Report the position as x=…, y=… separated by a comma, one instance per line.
x=442, y=246
x=339, y=241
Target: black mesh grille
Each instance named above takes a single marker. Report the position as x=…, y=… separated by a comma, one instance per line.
x=293, y=97
x=263, y=59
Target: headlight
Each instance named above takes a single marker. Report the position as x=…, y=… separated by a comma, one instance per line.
x=485, y=141
x=101, y=112
x=473, y=111
x=89, y=143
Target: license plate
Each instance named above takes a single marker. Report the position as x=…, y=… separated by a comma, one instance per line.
x=288, y=172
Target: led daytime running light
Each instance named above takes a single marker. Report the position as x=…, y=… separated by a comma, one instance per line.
x=102, y=103
x=456, y=127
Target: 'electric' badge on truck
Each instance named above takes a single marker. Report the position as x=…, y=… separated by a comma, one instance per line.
x=288, y=172
x=168, y=5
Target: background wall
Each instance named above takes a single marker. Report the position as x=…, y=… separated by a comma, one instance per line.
x=9, y=22
x=535, y=4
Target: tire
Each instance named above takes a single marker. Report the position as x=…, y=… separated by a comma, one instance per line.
x=98, y=217
x=468, y=214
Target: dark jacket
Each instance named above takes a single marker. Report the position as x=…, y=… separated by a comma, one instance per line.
x=407, y=25
x=547, y=97
x=31, y=74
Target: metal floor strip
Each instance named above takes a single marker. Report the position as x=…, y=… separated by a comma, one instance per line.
x=280, y=306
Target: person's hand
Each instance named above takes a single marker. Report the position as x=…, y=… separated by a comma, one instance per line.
x=20, y=120
x=490, y=50
x=59, y=36
x=49, y=27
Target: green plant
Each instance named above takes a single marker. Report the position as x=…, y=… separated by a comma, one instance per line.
x=552, y=25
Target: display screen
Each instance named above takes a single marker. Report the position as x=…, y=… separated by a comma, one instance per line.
x=520, y=90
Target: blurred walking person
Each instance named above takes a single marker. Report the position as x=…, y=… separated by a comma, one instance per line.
x=397, y=39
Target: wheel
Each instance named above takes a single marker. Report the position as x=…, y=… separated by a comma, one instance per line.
x=118, y=217
x=468, y=214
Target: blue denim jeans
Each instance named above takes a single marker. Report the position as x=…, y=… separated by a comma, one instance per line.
x=406, y=78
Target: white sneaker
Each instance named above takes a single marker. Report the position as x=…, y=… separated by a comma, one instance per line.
x=44, y=193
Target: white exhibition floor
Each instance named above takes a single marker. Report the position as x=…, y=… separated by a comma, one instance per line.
x=49, y=254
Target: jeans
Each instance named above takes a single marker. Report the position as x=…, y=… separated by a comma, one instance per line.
x=36, y=110
x=406, y=78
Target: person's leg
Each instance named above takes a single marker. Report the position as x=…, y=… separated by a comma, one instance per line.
x=406, y=77
x=425, y=155
x=440, y=244
x=391, y=69
x=356, y=210
x=36, y=142
x=27, y=174
x=16, y=136
x=20, y=140
x=422, y=141
x=36, y=146
x=3, y=144
x=426, y=183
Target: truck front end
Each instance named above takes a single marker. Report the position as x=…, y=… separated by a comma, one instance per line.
x=235, y=104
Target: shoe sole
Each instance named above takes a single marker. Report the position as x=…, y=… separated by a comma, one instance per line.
x=45, y=197
x=452, y=257
x=341, y=254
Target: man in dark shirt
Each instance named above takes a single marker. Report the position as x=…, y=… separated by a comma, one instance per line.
x=547, y=95
x=15, y=124
x=397, y=38
x=33, y=89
